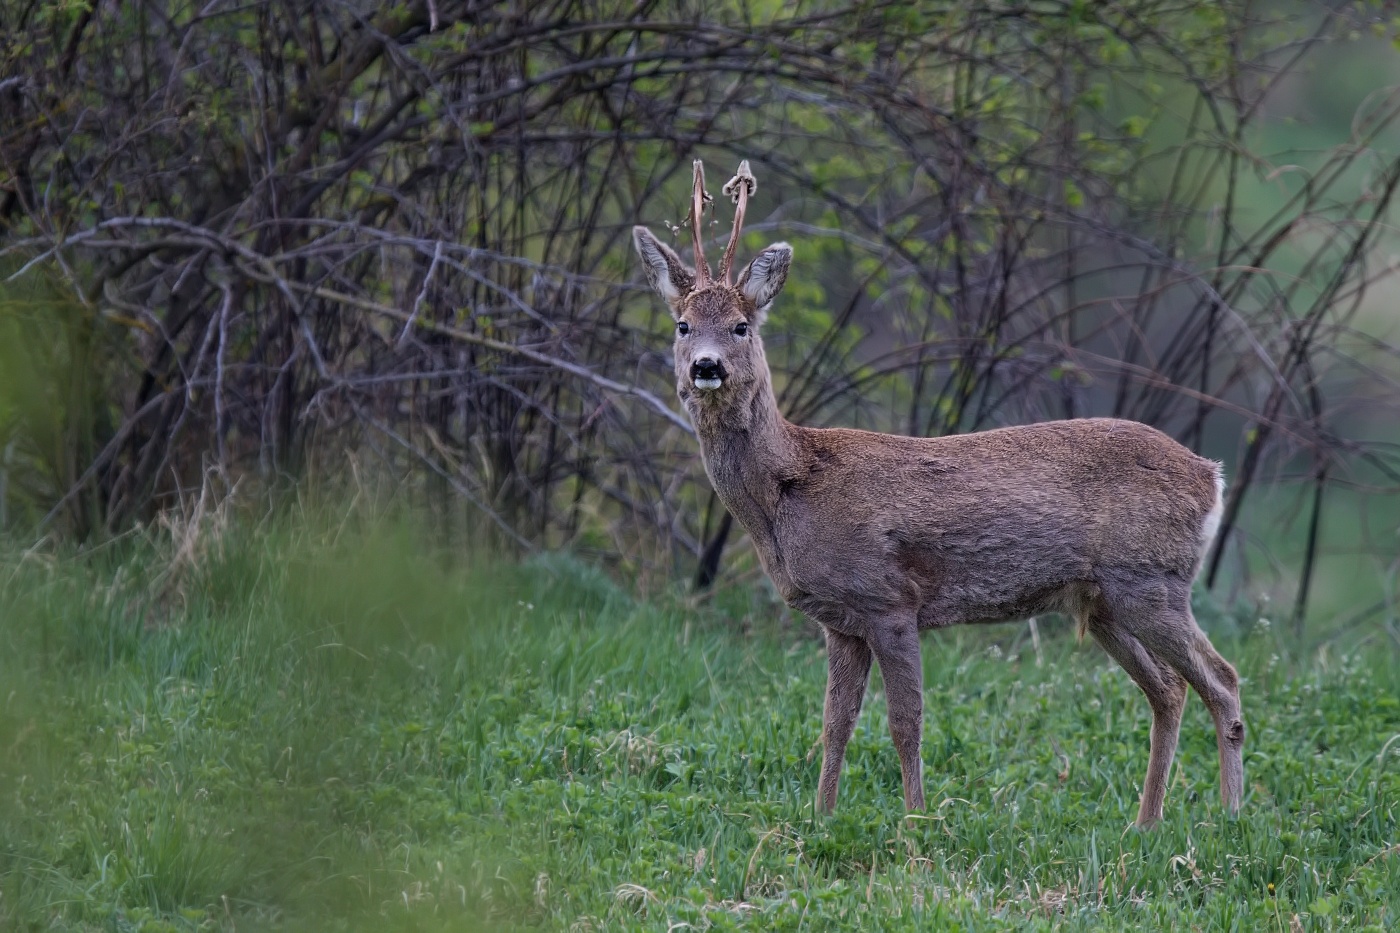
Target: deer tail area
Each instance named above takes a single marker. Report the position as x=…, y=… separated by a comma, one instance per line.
x=1211, y=525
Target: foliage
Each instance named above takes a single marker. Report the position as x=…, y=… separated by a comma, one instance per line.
x=292, y=234
x=343, y=731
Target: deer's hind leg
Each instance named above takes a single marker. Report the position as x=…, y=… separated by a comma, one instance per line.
x=847, y=674
x=1164, y=624
x=1166, y=694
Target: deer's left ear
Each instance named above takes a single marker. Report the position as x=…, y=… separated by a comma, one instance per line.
x=763, y=278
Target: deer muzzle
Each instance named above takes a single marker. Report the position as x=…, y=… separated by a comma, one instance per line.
x=707, y=374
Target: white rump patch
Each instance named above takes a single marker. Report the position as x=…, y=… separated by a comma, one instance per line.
x=1211, y=526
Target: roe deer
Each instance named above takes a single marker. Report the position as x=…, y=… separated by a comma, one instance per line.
x=877, y=536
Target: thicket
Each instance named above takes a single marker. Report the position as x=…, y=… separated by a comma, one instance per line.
x=266, y=240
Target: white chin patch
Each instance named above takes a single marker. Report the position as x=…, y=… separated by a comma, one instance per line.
x=708, y=384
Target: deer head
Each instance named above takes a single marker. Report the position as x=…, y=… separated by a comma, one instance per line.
x=719, y=356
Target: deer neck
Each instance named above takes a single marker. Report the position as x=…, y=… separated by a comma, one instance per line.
x=747, y=446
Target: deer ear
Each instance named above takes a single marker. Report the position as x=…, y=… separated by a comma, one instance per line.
x=763, y=278
x=670, y=277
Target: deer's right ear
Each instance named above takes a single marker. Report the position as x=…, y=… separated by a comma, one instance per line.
x=665, y=271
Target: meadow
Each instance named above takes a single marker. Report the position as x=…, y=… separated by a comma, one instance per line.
x=345, y=729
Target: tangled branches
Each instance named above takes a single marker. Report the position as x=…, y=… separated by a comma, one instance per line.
x=270, y=237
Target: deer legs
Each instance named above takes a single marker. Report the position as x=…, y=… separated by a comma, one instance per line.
x=1229, y=727
x=1148, y=629
x=896, y=647
x=1158, y=643
x=1181, y=644
x=1166, y=693
x=848, y=672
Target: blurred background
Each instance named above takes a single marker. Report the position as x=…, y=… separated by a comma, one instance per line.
x=357, y=566
x=381, y=252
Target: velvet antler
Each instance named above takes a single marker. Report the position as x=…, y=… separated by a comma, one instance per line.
x=699, y=197
x=740, y=188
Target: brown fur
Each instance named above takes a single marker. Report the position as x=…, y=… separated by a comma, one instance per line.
x=877, y=536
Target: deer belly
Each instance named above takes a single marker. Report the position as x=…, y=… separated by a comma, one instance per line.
x=972, y=604
x=992, y=584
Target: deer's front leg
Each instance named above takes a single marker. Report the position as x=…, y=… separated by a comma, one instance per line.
x=847, y=673
x=896, y=644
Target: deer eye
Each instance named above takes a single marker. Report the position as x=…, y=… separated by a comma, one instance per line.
x=741, y=329
x=682, y=328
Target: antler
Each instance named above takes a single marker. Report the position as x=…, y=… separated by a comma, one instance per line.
x=699, y=197
x=740, y=188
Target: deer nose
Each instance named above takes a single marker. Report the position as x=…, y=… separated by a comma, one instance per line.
x=707, y=372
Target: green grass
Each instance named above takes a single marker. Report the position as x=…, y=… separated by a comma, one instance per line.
x=344, y=732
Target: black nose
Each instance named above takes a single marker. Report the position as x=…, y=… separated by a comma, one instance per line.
x=706, y=368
